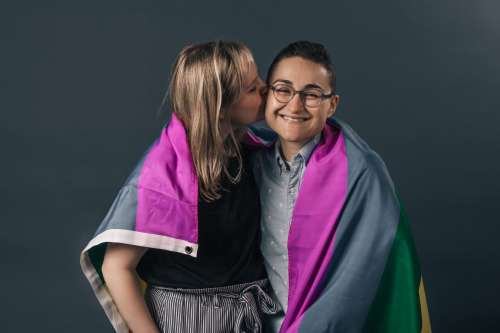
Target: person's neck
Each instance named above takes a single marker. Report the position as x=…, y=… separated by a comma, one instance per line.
x=290, y=149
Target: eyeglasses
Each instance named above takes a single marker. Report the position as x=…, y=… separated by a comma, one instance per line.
x=309, y=97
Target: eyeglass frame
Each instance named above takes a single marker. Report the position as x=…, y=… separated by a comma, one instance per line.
x=301, y=94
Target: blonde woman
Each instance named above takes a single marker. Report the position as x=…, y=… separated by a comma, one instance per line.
x=179, y=249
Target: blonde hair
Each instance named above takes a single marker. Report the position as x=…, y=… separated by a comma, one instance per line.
x=207, y=81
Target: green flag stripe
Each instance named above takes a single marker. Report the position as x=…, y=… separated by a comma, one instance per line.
x=396, y=307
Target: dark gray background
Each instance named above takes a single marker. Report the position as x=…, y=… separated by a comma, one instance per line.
x=82, y=82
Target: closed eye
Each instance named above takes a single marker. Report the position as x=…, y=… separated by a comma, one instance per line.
x=312, y=94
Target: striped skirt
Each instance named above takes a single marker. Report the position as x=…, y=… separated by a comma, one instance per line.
x=236, y=309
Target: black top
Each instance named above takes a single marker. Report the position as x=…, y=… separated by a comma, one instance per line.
x=228, y=241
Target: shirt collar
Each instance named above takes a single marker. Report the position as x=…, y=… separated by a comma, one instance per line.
x=304, y=153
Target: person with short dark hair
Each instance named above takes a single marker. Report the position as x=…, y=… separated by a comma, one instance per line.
x=336, y=241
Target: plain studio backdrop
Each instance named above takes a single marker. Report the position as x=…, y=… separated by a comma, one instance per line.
x=82, y=83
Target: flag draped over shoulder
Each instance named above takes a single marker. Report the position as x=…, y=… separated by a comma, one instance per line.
x=352, y=260
x=157, y=207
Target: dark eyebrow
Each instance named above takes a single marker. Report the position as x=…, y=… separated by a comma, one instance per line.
x=284, y=81
x=312, y=86
x=307, y=86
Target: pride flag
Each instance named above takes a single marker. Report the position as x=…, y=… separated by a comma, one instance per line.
x=353, y=265
x=352, y=261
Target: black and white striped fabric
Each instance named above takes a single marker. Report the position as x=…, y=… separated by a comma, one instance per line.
x=231, y=309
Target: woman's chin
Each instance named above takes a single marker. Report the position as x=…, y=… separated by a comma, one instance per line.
x=245, y=121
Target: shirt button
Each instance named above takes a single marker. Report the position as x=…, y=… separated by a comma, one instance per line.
x=188, y=249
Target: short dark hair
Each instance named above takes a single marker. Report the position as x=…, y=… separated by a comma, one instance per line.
x=311, y=51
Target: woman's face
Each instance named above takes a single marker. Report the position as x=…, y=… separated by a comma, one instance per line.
x=250, y=107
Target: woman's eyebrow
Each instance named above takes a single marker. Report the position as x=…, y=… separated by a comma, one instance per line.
x=253, y=81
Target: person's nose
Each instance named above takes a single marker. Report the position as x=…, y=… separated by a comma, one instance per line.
x=263, y=91
x=295, y=104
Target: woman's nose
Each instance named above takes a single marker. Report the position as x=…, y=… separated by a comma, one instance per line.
x=264, y=91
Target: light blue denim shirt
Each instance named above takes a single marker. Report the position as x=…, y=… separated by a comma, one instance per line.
x=279, y=182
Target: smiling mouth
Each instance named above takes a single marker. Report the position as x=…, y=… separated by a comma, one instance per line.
x=293, y=119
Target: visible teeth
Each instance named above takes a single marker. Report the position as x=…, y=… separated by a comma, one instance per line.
x=296, y=120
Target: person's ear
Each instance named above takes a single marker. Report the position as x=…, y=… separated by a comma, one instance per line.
x=333, y=105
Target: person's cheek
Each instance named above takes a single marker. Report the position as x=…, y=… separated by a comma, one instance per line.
x=268, y=107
